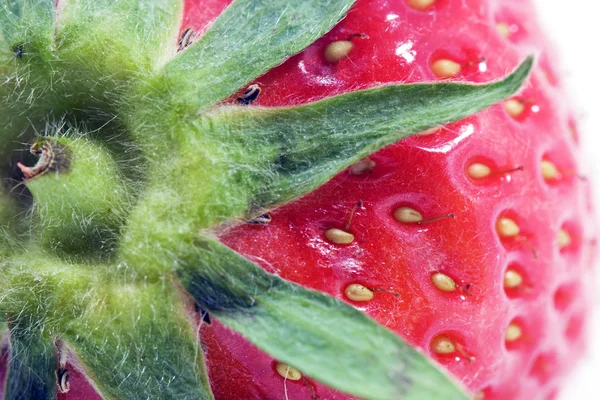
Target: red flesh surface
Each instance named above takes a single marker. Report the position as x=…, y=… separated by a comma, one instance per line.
x=428, y=173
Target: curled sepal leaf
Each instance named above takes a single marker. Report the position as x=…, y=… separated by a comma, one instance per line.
x=233, y=51
x=278, y=154
x=80, y=196
x=137, y=342
x=130, y=34
x=317, y=334
x=31, y=365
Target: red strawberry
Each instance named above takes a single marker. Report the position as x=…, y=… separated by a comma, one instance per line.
x=496, y=293
x=470, y=241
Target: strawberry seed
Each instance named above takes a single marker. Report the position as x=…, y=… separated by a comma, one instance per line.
x=407, y=215
x=442, y=345
x=288, y=372
x=364, y=165
x=549, y=170
x=445, y=69
x=514, y=107
x=358, y=292
x=503, y=29
x=478, y=171
x=339, y=236
x=507, y=227
x=420, y=5
x=443, y=282
x=564, y=239
x=513, y=332
x=512, y=279
x=338, y=50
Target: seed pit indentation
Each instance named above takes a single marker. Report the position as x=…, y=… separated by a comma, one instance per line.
x=565, y=295
x=543, y=367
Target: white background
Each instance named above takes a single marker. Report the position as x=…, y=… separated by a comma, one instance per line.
x=575, y=30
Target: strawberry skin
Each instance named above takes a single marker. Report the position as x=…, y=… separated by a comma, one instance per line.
x=510, y=305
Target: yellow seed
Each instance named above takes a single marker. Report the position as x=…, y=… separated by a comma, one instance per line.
x=339, y=236
x=420, y=4
x=507, y=227
x=338, y=50
x=513, y=332
x=358, y=292
x=364, y=165
x=514, y=107
x=443, y=282
x=407, y=215
x=445, y=68
x=503, y=29
x=512, y=279
x=549, y=170
x=564, y=239
x=478, y=171
x=288, y=372
x=443, y=345
x=479, y=396
x=429, y=131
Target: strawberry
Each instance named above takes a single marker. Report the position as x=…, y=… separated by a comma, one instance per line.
x=172, y=158
x=503, y=311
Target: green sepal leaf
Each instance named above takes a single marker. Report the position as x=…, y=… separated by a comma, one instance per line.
x=31, y=366
x=138, y=35
x=26, y=37
x=28, y=24
x=247, y=39
x=136, y=342
x=321, y=336
x=283, y=153
x=133, y=338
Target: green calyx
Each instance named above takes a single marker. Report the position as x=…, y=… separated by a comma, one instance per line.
x=137, y=167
